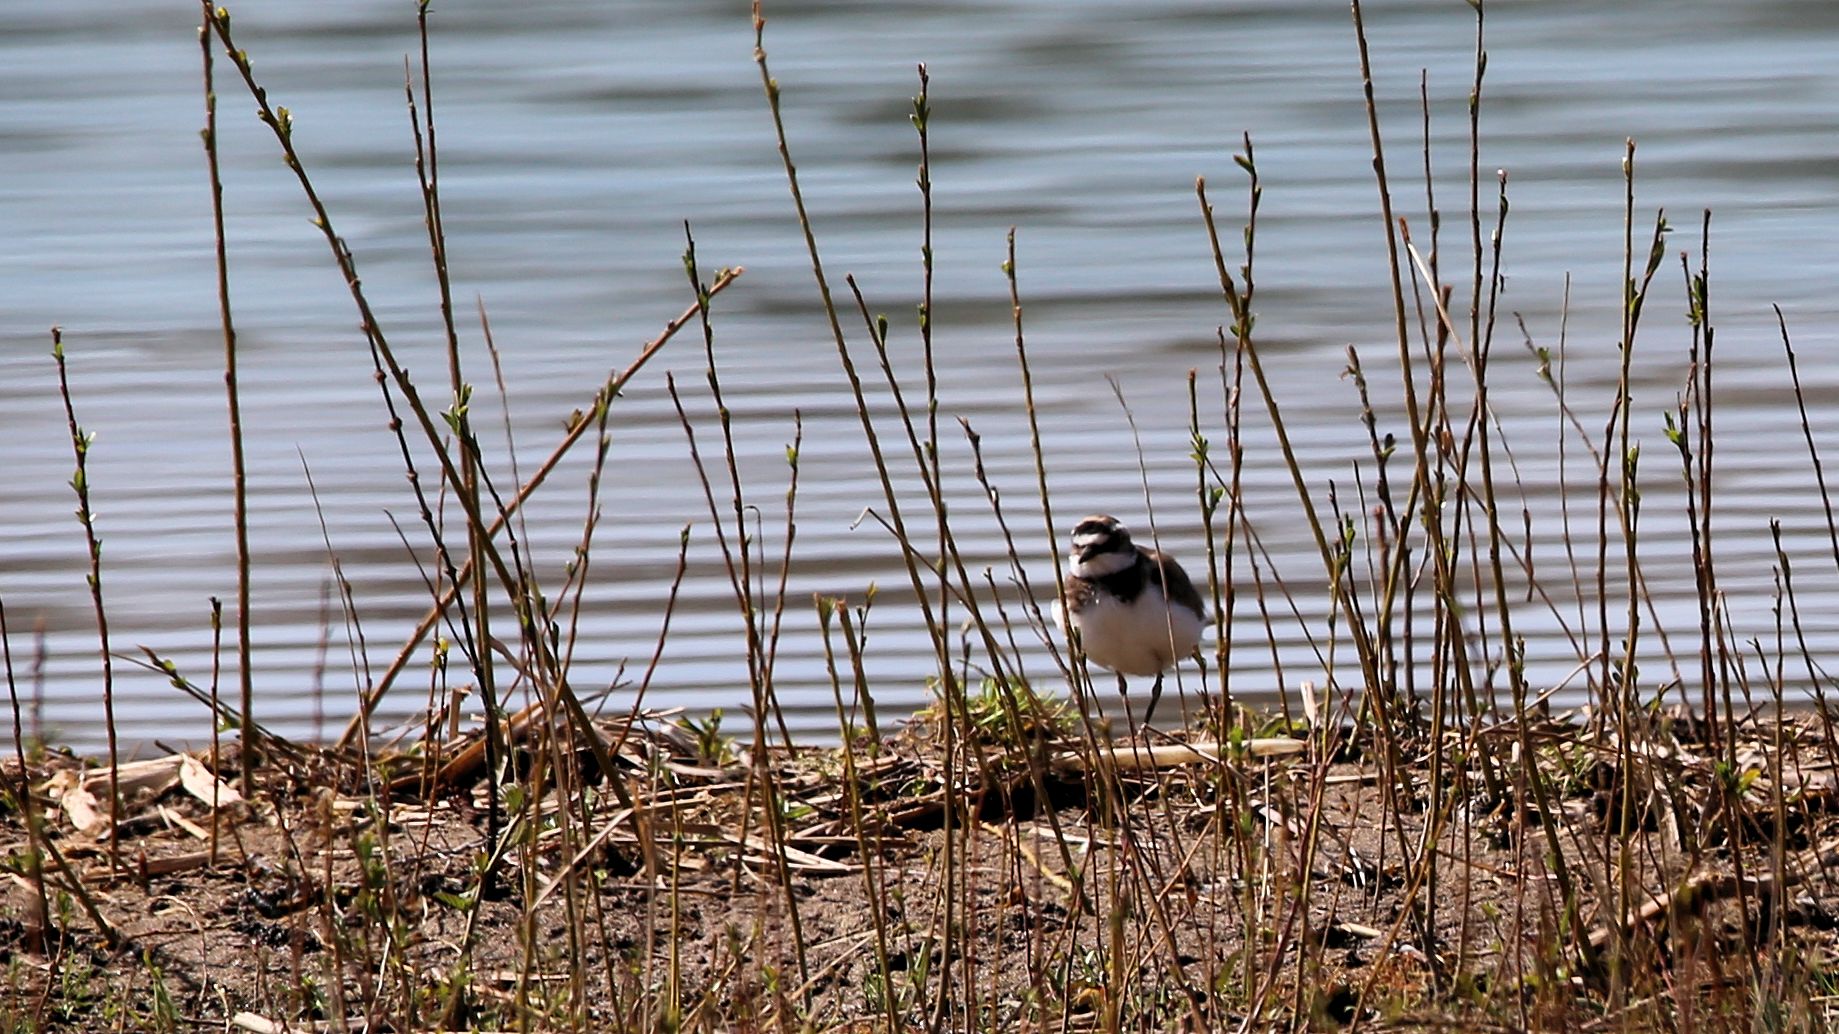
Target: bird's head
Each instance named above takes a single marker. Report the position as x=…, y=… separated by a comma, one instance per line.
x=1101, y=546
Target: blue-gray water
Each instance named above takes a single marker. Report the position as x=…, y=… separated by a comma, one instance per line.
x=576, y=140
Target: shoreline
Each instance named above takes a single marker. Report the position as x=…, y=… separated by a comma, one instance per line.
x=678, y=891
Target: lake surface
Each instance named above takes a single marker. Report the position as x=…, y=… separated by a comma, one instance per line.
x=576, y=140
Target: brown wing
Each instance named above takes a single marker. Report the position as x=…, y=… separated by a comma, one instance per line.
x=1166, y=573
x=1078, y=594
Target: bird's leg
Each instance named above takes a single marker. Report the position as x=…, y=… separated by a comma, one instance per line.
x=1123, y=694
x=1155, y=694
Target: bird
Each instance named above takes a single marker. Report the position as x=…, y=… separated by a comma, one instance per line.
x=1134, y=608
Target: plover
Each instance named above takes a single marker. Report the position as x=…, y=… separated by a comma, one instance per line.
x=1135, y=609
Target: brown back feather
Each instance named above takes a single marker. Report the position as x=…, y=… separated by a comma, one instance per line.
x=1166, y=573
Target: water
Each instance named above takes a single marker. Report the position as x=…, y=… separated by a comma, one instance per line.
x=576, y=141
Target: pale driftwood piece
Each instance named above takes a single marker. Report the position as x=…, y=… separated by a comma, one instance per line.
x=172, y=817
x=200, y=783
x=154, y=776
x=1137, y=758
x=79, y=805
